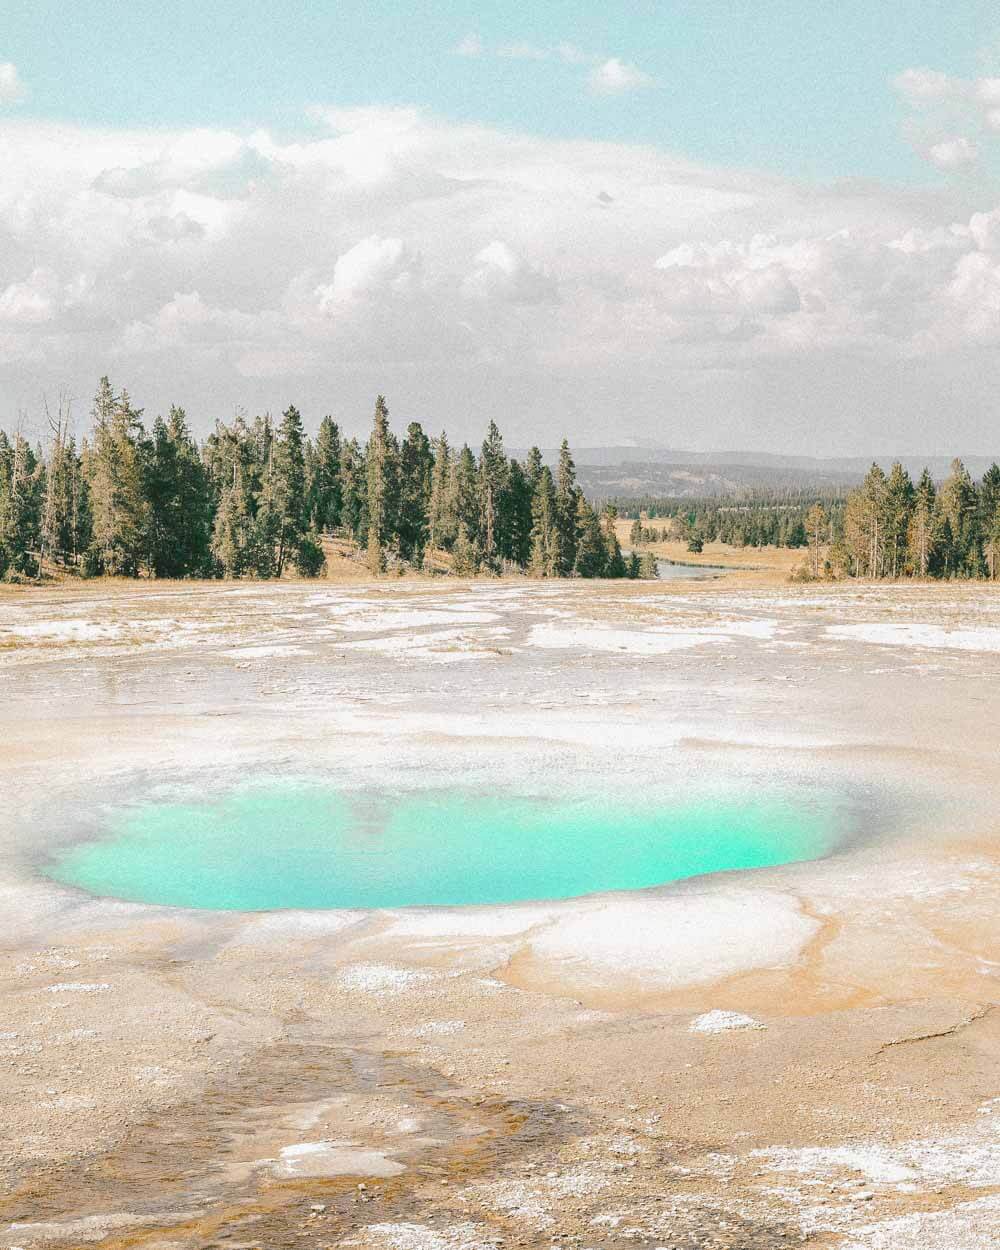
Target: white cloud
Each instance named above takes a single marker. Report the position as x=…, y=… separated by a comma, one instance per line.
x=473, y=273
x=953, y=153
x=471, y=45
x=941, y=106
x=372, y=266
x=500, y=273
x=12, y=89
x=922, y=85
x=614, y=77
x=608, y=76
x=30, y=302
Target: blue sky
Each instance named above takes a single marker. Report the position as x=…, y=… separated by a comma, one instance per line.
x=790, y=86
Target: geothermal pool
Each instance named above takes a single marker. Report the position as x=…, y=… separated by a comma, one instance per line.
x=260, y=848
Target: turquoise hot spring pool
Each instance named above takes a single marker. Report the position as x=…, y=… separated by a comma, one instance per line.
x=307, y=845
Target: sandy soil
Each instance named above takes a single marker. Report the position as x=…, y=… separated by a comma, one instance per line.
x=800, y=1056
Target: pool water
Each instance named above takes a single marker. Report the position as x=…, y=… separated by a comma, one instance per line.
x=309, y=846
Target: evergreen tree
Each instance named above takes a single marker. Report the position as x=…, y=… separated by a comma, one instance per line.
x=179, y=501
x=65, y=523
x=516, y=536
x=533, y=469
x=467, y=555
x=494, y=475
x=817, y=527
x=323, y=478
x=381, y=484
x=899, y=500
x=22, y=485
x=865, y=524
x=566, y=492
x=545, y=530
x=615, y=565
x=465, y=490
x=115, y=470
x=442, y=521
x=233, y=535
x=649, y=569
x=959, y=505
x=354, y=491
x=416, y=466
x=920, y=546
x=991, y=545
x=591, y=553
x=284, y=503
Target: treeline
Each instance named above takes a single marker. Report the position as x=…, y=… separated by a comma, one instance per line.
x=893, y=527
x=752, y=519
x=257, y=497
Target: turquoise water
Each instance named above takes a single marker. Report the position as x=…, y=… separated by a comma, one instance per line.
x=306, y=846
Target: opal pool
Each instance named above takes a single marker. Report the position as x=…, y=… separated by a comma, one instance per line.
x=308, y=846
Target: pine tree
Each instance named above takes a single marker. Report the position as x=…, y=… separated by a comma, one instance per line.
x=380, y=484
x=465, y=491
x=354, y=490
x=649, y=568
x=518, y=520
x=494, y=474
x=920, y=534
x=178, y=495
x=65, y=515
x=233, y=532
x=533, y=468
x=115, y=470
x=959, y=505
x=442, y=522
x=566, y=493
x=817, y=527
x=544, y=531
x=615, y=566
x=416, y=466
x=591, y=553
x=22, y=484
x=899, y=499
x=865, y=524
x=991, y=545
x=467, y=555
x=323, y=478
x=285, y=497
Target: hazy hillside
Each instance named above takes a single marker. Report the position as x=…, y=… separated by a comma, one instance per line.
x=638, y=470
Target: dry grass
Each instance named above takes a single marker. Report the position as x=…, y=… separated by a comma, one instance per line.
x=767, y=564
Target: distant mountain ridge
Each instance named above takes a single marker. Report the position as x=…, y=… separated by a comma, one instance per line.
x=632, y=470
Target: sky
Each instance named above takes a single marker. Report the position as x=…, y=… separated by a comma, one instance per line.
x=703, y=224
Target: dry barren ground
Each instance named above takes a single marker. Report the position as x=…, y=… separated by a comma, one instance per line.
x=799, y=1056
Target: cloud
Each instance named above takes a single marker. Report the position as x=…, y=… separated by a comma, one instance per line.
x=954, y=153
x=922, y=85
x=942, y=107
x=500, y=273
x=615, y=77
x=608, y=76
x=470, y=46
x=372, y=266
x=12, y=89
x=474, y=272
x=31, y=301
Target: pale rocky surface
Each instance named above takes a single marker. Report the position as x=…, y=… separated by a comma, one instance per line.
x=527, y=1075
